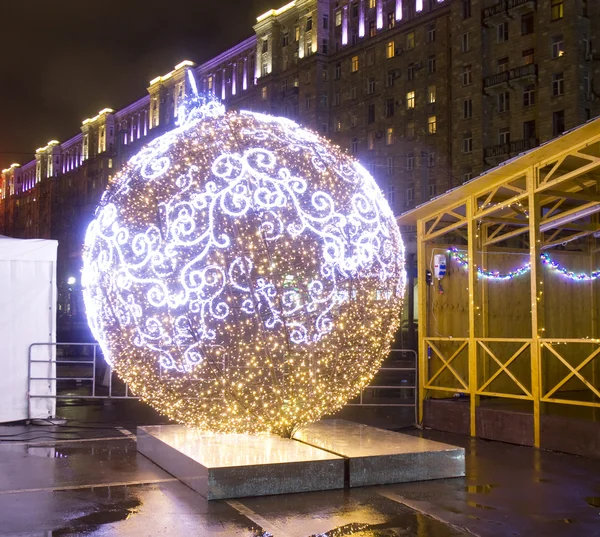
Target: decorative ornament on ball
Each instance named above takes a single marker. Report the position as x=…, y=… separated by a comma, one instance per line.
x=242, y=274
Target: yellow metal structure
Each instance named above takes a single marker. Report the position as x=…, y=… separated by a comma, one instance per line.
x=534, y=337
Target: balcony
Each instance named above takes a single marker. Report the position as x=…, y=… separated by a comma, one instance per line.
x=524, y=73
x=511, y=148
x=500, y=10
x=521, y=6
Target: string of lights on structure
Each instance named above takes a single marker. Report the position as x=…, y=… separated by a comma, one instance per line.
x=243, y=274
x=462, y=259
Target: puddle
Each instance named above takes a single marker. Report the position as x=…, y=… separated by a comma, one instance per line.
x=395, y=527
x=593, y=501
x=92, y=521
x=481, y=506
x=480, y=489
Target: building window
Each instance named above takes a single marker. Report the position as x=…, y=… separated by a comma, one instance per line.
x=558, y=84
x=297, y=33
x=467, y=176
x=529, y=130
x=410, y=162
x=467, y=75
x=431, y=94
x=390, y=50
x=431, y=64
x=431, y=125
x=432, y=189
x=391, y=20
x=325, y=22
x=355, y=10
x=372, y=29
x=371, y=113
x=410, y=130
x=338, y=125
x=371, y=85
x=502, y=32
x=389, y=81
x=309, y=24
x=338, y=17
x=410, y=40
x=504, y=101
x=372, y=4
x=354, y=64
x=528, y=56
x=410, y=74
x=467, y=109
x=353, y=92
x=264, y=93
x=558, y=122
x=504, y=135
x=353, y=120
x=527, y=21
x=337, y=97
x=467, y=146
x=466, y=9
x=389, y=136
x=389, y=107
x=410, y=100
x=558, y=46
x=529, y=95
x=502, y=64
x=431, y=33
x=370, y=57
x=390, y=195
x=371, y=142
x=465, y=42
x=307, y=103
x=325, y=46
x=338, y=71
x=557, y=10
x=265, y=46
x=410, y=193
x=354, y=146
x=431, y=159
x=390, y=165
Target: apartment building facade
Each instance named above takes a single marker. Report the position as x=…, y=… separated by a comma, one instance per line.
x=425, y=93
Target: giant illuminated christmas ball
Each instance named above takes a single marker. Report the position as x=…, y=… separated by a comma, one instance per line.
x=243, y=274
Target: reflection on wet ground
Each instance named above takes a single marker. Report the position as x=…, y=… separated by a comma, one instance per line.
x=103, y=487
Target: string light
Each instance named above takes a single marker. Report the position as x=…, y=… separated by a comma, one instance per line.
x=462, y=259
x=242, y=274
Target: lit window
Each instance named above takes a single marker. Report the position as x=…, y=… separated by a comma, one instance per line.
x=338, y=125
x=431, y=94
x=372, y=3
x=504, y=135
x=410, y=130
x=529, y=56
x=354, y=64
x=410, y=100
x=558, y=46
x=431, y=125
x=390, y=20
x=502, y=64
x=410, y=40
x=338, y=17
x=389, y=136
x=372, y=29
x=390, y=49
x=264, y=93
x=557, y=10
x=371, y=140
x=110, y=163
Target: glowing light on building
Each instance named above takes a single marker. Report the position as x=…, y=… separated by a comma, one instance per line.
x=243, y=274
x=379, y=14
x=361, y=18
x=418, y=5
x=345, y=26
x=398, y=10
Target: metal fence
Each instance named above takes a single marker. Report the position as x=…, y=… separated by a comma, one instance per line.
x=81, y=372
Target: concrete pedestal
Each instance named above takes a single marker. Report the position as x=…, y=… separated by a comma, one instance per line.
x=222, y=466
x=378, y=457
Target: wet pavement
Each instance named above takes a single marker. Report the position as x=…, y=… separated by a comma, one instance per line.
x=86, y=481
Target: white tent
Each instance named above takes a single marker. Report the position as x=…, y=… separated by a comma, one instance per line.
x=27, y=315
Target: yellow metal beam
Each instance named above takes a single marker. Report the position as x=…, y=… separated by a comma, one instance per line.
x=472, y=276
x=423, y=314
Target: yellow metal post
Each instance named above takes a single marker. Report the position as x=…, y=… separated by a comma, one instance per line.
x=535, y=243
x=423, y=314
x=472, y=240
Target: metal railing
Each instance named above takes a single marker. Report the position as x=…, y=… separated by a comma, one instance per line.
x=82, y=366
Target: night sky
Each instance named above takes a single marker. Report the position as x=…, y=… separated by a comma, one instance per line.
x=62, y=61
